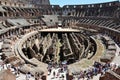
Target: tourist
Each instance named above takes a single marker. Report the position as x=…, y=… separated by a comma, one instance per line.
x=28, y=76
x=115, y=66
x=40, y=77
x=54, y=74
x=9, y=67
x=63, y=77
x=36, y=76
x=2, y=65
x=58, y=74
x=16, y=71
x=95, y=71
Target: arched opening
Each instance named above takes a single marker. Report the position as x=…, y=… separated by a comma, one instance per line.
x=32, y=14
x=0, y=2
x=5, y=14
x=5, y=3
x=1, y=14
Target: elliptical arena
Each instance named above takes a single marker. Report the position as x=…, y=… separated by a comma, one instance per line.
x=36, y=34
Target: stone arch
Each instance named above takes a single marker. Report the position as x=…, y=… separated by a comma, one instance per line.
x=5, y=14
x=1, y=14
x=0, y=2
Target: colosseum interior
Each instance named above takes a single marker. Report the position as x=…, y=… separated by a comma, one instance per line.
x=35, y=35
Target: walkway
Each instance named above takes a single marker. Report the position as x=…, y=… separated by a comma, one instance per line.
x=18, y=77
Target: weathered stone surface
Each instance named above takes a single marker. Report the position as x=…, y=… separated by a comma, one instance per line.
x=7, y=75
x=32, y=69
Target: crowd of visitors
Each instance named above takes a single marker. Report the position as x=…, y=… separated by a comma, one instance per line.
x=16, y=71
x=97, y=68
x=57, y=71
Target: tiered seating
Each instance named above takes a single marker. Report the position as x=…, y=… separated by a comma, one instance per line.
x=102, y=22
x=110, y=49
x=18, y=22
x=50, y=20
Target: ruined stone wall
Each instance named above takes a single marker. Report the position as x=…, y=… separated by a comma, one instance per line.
x=108, y=76
x=46, y=2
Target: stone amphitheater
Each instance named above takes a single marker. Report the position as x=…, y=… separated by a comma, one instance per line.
x=34, y=33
